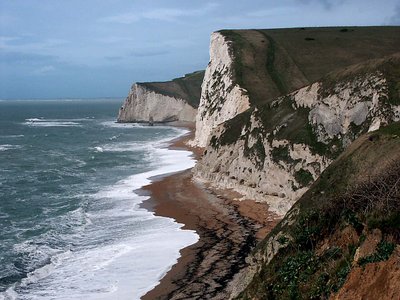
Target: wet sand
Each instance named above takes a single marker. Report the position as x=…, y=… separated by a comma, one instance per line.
x=228, y=231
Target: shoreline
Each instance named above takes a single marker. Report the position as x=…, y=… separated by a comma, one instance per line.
x=228, y=230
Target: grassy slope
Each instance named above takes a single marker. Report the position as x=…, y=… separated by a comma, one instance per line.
x=346, y=198
x=270, y=63
x=187, y=87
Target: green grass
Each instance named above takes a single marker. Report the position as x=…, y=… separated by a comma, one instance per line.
x=187, y=87
x=270, y=65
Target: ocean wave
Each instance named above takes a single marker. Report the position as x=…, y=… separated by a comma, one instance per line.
x=98, y=149
x=12, y=136
x=152, y=145
x=52, y=124
x=114, y=124
x=42, y=122
x=9, y=147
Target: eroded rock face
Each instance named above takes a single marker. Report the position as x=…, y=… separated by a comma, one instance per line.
x=144, y=105
x=221, y=98
x=347, y=105
x=267, y=162
x=374, y=281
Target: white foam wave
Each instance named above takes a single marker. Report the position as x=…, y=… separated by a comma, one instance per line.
x=52, y=124
x=127, y=146
x=114, y=124
x=12, y=136
x=35, y=120
x=98, y=149
x=143, y=146
x=9, y=147
x=42, y=122
x=114, y=137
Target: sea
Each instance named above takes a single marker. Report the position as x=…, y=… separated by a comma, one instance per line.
x=71, y=226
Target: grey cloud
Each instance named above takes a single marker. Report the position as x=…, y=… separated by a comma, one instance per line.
x=26, y=58
x=138, y=53
x=44, y=70
x=395, y=19
x=114, y=58
x=327, y=4
x=149, y=52
x=159, y=14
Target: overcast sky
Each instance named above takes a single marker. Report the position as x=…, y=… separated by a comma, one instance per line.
x=96, y=48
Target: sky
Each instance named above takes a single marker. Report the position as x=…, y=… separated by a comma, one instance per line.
x=98, y=48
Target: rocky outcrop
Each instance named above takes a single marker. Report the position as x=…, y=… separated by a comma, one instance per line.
x=221, y=98
x=274, y=152
x=144, y=105
x=175, y=100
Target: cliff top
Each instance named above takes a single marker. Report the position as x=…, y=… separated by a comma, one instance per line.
x=187, y=88
x=284, y=60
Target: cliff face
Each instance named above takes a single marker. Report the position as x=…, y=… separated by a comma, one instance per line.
x=176, y=100
x=143, y=104
x=341, y=239
x=268, y=129
x=221, y=98
x=274, y=152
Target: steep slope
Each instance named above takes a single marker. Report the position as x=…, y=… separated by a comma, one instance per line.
x=341, y=240
x=249, y=67
x=175, y=100
x=273, y=152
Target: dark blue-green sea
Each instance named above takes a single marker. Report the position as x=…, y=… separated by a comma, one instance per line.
x=70, y=222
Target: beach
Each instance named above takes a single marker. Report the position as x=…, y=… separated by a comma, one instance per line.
x=228, y=230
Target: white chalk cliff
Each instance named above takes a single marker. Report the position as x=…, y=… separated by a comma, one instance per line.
x=221, y=98
x=143, y=105
x=272, y=164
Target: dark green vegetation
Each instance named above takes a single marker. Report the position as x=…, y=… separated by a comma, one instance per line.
x=383, y=252
x=356, y=194
x=274, y=62
x=392, y=71
x=238, y=47
x=281, y=153
x=187, y=87
x=303, y=177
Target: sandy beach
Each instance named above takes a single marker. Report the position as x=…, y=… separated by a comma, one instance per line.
x=228, y=230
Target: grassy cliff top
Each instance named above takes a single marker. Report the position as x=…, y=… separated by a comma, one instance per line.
x=274, y=62
x=356, y=196
x=187, y=88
